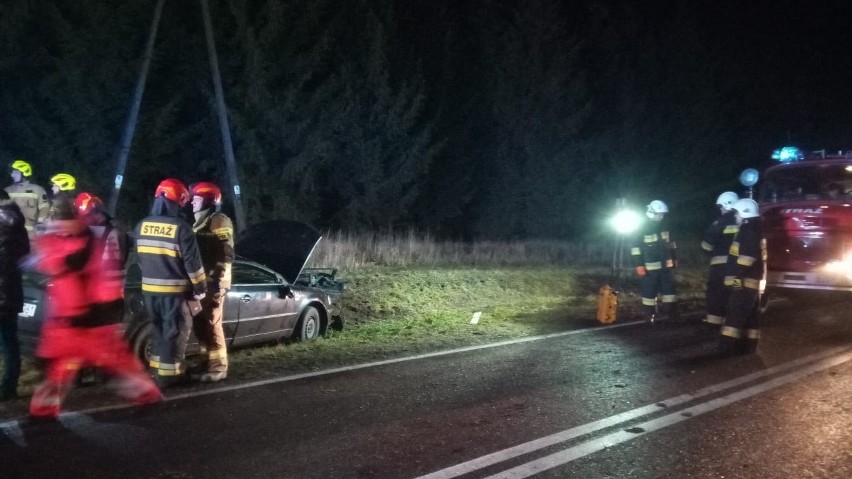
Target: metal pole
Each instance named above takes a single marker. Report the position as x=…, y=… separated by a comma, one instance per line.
x=133, y=115
x=230, y=163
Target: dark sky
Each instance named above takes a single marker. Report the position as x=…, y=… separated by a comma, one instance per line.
x=797, y=65
x=665, y=81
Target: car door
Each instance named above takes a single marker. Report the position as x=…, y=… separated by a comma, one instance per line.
x=263, y=308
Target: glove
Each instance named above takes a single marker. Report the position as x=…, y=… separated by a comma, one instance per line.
x=737, y=283
x=640, y=270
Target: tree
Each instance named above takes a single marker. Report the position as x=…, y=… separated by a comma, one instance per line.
x=537, y=98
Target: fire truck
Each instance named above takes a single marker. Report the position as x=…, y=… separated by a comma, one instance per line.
x=806, y=208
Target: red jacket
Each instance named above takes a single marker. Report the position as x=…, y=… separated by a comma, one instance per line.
x=64, y=254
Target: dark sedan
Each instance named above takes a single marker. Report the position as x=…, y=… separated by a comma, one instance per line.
x=263, y=304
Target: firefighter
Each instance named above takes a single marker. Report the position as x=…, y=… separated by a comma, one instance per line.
x=62, y=184
x=716, y=243
x=30, y=197
x=214, y=232
x=73, y=335
x=173, y=279
x=654, y=256
x=746, y=258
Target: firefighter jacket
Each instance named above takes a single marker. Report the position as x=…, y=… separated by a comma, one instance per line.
x=718, y=237
x=654, y=248
x=747, y=256
x=32, y=199
x=214, y=232
x=14, y=245
x=168, y=254
x=63, y=254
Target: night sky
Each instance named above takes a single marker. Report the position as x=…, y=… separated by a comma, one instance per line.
x=481, y=119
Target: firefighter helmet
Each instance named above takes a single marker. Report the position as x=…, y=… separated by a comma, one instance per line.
x=173, y=190
x=210, y=192
x=23, y=167
x=727, y=199
x=747, y=208
x=64, y=181
x=656, y=207
x=87, y=203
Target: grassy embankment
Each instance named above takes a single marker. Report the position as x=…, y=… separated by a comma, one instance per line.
x=408, y=294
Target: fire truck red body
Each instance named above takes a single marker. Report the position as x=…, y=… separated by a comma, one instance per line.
x=806, y=207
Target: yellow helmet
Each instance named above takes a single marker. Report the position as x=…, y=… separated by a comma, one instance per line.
x=64, y=181
x=23, y=167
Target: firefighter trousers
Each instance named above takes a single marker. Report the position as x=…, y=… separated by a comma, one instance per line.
x=741, y=329
x=717, y=295
x=659, y=282
x=172, y=322
x=208, y=330
x=103, y=347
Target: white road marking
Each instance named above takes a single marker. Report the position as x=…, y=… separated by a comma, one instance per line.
x=610, y=440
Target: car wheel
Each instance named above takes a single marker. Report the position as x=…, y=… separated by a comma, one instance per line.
x=143, y=344
x=309, y=324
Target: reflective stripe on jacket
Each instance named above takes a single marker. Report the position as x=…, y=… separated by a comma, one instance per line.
x=718, y=237
x=32, y=200
x=747, y=255
x=653, y=247
x=168, y=256
x=215, y=235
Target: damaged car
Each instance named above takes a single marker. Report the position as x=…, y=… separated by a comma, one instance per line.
x=273, y=295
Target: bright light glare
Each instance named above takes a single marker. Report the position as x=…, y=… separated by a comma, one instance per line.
x=626, y=221
x=843, y=267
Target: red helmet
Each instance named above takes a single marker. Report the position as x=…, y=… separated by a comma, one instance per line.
x=211, y=193
x=86, y=203
x=173, y=190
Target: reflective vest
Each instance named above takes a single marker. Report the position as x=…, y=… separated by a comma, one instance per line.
x=108, y=286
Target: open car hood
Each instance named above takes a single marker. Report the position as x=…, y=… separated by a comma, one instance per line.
x=283, y=245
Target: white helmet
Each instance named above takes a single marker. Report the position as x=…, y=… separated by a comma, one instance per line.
x=727, y=199
x=747, y=208
x=655, y=207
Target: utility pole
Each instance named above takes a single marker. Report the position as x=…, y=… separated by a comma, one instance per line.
x=230, y=163
x=133, y=115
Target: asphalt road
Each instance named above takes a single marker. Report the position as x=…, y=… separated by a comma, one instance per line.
x=629, y=401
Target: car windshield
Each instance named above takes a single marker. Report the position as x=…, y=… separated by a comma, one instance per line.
x=807, y=182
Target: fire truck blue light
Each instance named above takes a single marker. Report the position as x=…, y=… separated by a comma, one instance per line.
x=788, y=154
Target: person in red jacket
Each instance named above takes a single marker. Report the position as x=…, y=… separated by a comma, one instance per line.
x=106, y=294
x=72, y=337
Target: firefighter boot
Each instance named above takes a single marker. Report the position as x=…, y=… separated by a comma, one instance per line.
x=649, y=313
